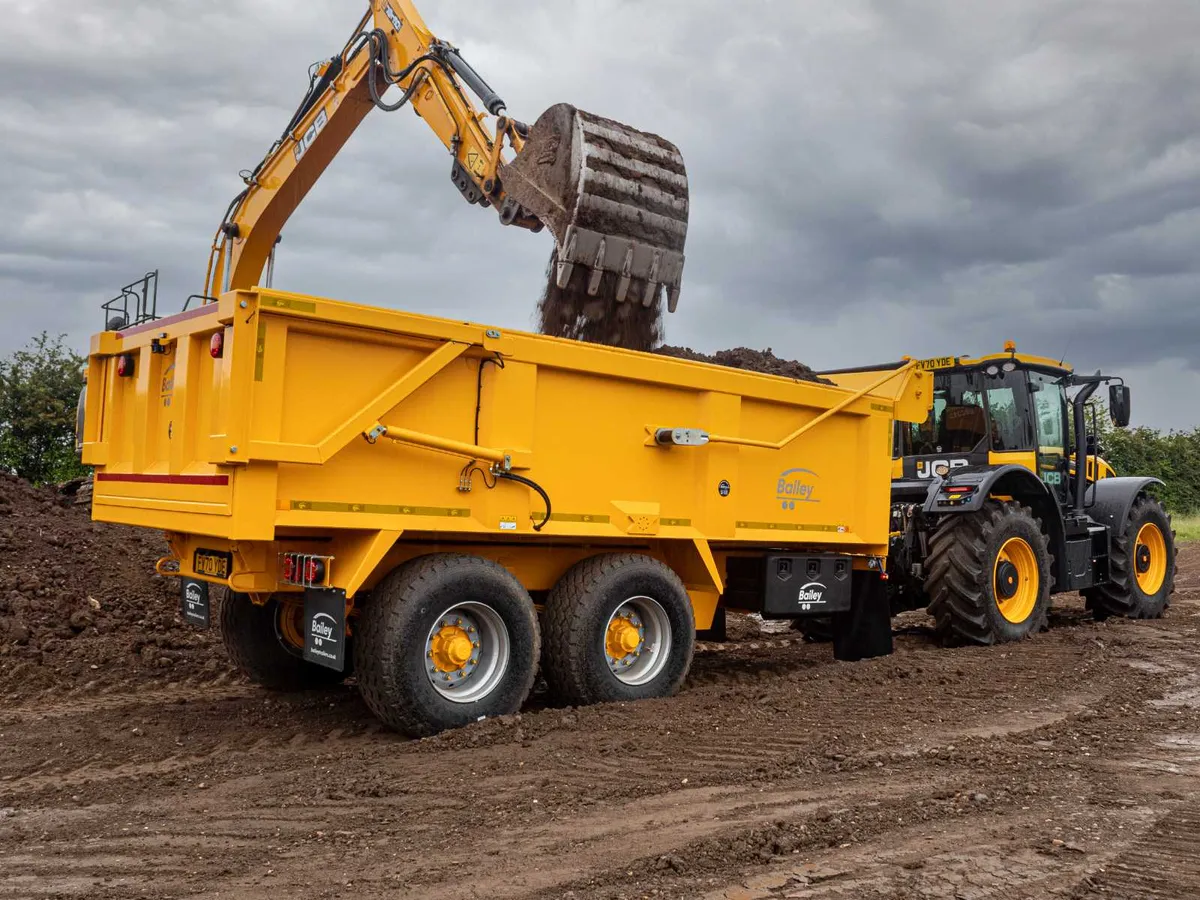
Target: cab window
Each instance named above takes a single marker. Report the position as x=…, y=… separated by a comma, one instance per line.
x=957, y=423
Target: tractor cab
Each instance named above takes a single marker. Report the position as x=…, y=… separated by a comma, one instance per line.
x=998, y=410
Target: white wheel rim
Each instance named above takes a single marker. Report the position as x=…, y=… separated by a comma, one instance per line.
x=455, y=674
x=636, y=641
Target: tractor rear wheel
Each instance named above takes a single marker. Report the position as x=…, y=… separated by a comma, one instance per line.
x=1141, y=566
x=261, y=643
x=618, y=627
x=445, y=640
x=989, y=575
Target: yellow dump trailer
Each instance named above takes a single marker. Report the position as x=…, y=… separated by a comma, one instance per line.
x=440, y=506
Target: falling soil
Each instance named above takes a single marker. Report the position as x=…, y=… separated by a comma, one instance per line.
x=572, y=313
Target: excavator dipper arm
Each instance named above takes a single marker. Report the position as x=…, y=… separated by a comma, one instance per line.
x=614, y=198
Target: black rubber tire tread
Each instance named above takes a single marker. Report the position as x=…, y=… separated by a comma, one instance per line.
x=254, y=647
x=579, y=607
x=394, y=623
x=1122, y=596
x=815, y=629
x=960, y=585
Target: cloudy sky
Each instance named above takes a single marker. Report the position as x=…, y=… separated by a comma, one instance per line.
x=869, y=178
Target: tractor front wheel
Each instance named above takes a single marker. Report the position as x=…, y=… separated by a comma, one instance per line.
x=989, y=575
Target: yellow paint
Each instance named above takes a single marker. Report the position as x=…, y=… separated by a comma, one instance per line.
x=268, y=453
x=1022, y=584
x=1150, y=558
x=622, y=638
x=451, y=648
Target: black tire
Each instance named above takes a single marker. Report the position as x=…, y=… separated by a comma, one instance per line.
x=815, y=630
x=964, y=568
x=1123, y=595
x=252, y=640
x=393, y=667
x=577, y=617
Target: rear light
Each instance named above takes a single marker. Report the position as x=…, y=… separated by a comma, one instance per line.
x=305, y=570
x=216, y=345
x=125, y=365
x=960, y=489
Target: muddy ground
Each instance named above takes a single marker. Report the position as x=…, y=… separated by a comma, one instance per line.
x=1060, y=767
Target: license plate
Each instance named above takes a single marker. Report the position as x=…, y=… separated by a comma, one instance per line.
x=212, y=564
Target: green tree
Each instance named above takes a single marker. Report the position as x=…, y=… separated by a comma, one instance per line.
x=39, y=389
x=1173, y=456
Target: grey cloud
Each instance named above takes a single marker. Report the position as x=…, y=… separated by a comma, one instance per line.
x=869, y=179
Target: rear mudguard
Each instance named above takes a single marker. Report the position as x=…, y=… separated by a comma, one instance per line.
x=1110, y=499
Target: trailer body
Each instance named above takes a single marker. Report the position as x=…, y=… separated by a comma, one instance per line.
x=292, y=446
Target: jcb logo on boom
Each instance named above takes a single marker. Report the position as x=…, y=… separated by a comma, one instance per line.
x=927, y=468
x=306, y=140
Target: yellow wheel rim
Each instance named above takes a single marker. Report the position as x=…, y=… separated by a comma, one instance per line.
x=1150, y=558
x=291, y=622
x=1016, y=580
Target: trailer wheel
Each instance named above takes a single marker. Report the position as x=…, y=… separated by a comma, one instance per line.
x=1141, y=566
x=255, y=642
x=618, y=627
x=446, y=640
x=989, y=575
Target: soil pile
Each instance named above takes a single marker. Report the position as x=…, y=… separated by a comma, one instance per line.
x=80, y=604
x=764, y=361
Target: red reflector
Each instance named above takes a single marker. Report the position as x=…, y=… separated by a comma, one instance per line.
x=960, y=489
x=314, y=572
x=289, y=568
x=124, y=365
x=216, y=345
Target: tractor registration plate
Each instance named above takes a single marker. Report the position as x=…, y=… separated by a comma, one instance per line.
x=212, y=564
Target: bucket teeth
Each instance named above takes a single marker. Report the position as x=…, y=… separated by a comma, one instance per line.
x=615, y=199
x=597, y=270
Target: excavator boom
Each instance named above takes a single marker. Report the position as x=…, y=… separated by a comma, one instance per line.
x=615, y=199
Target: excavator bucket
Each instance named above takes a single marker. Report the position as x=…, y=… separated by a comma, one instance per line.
x=616, y=201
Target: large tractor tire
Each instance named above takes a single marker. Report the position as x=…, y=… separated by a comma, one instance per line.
x=989, y=575
x=618, y=627
x=446, y=640
x=1141, y=566
x=261, y=643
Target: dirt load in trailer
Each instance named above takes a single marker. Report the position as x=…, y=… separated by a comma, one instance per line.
x=438, y=506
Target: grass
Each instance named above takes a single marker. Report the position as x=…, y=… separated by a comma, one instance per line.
x=1187, y=528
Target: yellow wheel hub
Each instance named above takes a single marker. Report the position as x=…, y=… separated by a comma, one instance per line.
x=1016, y=580
x=1150, y=558
x=451, y=648
x=291, y=622
x=622, y=639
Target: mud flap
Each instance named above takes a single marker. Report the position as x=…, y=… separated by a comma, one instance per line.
x=866, y=630
x=325, y=628
x=193, y=602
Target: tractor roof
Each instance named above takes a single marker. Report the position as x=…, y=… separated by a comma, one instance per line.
x=1010, y=353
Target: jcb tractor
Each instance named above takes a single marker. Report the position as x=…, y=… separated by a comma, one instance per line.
x=991, y=514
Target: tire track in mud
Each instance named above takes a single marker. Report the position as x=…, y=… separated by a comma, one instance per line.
x=772, y=757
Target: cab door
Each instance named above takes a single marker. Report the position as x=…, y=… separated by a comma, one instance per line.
x=1050, y=419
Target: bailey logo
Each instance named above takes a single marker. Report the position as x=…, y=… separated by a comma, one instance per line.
x=322, y=628
x=812, y=594
x=796, y=486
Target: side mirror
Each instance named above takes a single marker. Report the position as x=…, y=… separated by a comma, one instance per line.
x=1118, y=404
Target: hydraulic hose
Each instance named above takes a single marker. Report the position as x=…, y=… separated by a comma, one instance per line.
x=532, y=485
